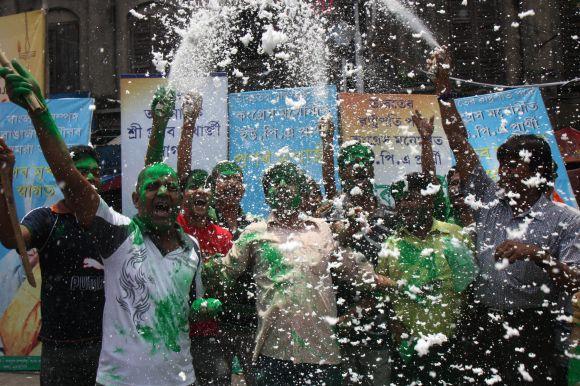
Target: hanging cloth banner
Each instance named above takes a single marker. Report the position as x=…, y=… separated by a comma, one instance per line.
x=275, y=125
x=491, y=119
x=384, y=122
x=34, y=186
x=22, y=37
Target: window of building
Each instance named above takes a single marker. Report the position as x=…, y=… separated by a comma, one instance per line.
x=148, y=35
x=63, y=52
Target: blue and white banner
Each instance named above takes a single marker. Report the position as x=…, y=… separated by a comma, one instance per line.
x=34, y=186
x=492, y=118
x=274, y=125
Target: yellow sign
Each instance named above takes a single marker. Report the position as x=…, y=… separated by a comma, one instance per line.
x=384, y=122
x=22, y=37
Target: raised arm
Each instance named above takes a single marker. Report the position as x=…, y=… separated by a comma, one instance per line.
x=7, y=237
x=425, y=128
x=327, y=136
x=455, y=131
x=162, y=107
x=191, y=110
x=78, y=192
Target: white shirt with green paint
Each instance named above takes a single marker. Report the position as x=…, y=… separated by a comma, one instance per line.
x=145, y=324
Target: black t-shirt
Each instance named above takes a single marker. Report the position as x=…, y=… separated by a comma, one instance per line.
x=72, y=295
x=381, y=224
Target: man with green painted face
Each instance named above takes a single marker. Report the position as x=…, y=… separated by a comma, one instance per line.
x=291, y=255
x=239, y=319
x=432, y=263
x=360, y=223
x=151, y=266
x=72, y=295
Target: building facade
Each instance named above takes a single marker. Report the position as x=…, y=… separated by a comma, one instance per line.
x=91, y=43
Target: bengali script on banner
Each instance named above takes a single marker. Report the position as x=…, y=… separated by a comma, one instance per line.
x=210, y=138
x=34, y=186
x=491, y=119
x=274, y=125
x=384, y=121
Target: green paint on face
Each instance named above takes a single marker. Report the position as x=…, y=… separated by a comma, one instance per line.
x=227, y=169
x=151, y=175
x=155, y=174
x=273, y=196
x=87, y=163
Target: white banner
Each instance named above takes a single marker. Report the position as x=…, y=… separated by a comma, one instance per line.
x=210, y=139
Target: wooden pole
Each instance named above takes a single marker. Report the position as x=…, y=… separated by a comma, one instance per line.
x=20, y=244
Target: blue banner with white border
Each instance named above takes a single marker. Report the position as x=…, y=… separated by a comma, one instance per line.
x=274, y=125
x=34, y=186
x=491, y=119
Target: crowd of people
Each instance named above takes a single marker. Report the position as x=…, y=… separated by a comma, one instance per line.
x=462, y=280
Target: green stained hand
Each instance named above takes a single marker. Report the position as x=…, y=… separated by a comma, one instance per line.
x=163, y=103
x=208, y=307
x=20, y=84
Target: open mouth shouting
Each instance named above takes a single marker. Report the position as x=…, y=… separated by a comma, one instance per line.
x=162, y=208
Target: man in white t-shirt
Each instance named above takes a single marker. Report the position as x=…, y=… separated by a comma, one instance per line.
x=148, y=282
x=151, y=266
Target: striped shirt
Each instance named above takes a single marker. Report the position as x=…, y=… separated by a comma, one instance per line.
x=523, y=284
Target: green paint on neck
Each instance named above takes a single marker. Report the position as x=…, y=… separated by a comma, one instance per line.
x=135, y=227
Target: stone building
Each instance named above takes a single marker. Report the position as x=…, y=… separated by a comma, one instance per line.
x=90, y=43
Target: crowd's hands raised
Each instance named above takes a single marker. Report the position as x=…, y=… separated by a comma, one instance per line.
x=326, y=128
x=163, y=103
x=439, y=64
x=192, y=103
x=20, y=84
x=424, y=126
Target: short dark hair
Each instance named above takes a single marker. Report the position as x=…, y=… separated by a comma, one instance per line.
x=540, y=158
x=412, y=183
x=289, y=170
x=197, y=179
x=78, y=152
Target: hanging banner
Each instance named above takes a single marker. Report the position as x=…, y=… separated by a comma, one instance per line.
x=275, y=125
x=34, y=187
x=384, y=121
x=210, y=139
x=491, y=119
x=22, y=37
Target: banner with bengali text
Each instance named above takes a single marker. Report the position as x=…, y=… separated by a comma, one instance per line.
x=384, y=121
x=23, y=37
x=210, y=139
x=275, y=125
x=34, y=187
x=491, y=119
